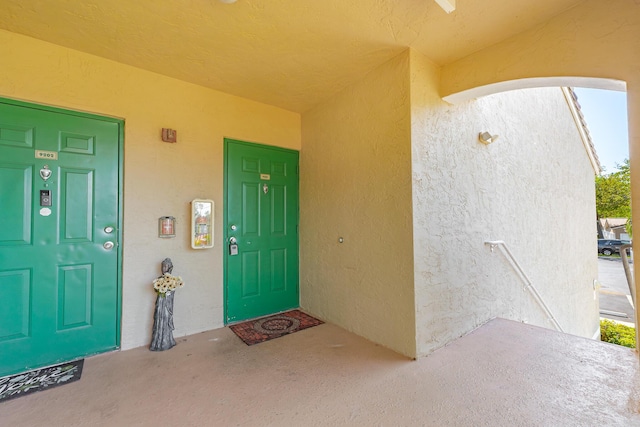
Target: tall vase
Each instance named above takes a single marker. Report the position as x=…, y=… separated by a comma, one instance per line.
x=162, y=337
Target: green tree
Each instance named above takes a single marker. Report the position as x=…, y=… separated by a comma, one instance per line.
x=613, y=194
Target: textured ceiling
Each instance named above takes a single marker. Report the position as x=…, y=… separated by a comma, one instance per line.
x=288, y=53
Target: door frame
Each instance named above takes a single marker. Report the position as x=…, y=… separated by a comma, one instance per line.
x=119, y=220
x=225, y=233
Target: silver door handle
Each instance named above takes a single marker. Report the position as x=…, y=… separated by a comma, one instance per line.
x=108, y=245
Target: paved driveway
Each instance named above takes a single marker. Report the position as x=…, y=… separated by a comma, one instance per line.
x=615, y=299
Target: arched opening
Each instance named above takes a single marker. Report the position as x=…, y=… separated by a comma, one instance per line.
x=504, y=86
x=577, y=82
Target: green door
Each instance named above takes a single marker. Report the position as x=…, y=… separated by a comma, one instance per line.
x=261, y=216
x=59, y=201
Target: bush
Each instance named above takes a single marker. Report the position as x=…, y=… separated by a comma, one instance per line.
x=616, y=333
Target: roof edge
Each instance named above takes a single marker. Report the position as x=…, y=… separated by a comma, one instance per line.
x=583, y=129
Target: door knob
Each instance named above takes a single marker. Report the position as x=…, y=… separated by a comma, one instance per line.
x=108, y=230
x=108, y=245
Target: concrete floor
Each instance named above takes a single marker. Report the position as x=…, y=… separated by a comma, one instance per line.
x=503, y=374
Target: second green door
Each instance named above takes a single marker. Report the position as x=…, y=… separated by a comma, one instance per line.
x=261, y=230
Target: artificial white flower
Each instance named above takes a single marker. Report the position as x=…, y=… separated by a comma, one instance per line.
x=166, y=283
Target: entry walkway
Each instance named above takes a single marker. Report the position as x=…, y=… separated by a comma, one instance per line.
x=503, y=374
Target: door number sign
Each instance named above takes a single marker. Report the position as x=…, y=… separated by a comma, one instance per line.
x=46, y=155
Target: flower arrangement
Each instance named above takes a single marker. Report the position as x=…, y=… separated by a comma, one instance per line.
x=167, y=283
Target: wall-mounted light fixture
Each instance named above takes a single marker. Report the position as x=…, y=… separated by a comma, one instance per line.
x=169, y=135
x=486, y=138
x=166, y=226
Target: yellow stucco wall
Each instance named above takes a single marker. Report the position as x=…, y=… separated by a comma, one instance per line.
x=595, y=40
x=356, y=164
x=160, y=178
x=356, y=183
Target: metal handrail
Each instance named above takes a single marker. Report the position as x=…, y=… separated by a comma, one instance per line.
x=627, y=271
x=632, y=288
x=529, y=285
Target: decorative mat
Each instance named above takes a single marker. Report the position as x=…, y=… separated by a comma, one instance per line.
x=270, y=327
x=29, y=382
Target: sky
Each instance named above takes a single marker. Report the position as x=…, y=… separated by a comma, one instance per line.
x=605, y=112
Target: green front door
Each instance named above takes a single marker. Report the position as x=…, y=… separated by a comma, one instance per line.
x=261, y=217
x=59, y=202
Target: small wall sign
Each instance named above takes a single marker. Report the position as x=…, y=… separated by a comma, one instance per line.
x=201, y=223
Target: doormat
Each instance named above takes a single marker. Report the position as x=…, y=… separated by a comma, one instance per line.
x=29, y=382
x=270, y=327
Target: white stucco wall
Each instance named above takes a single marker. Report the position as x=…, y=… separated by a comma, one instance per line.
x=355, y=181
x=533, y=188
x=595, y=40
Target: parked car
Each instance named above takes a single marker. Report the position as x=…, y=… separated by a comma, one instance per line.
x=611, y=246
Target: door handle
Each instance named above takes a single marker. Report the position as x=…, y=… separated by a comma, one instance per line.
x=108, y=245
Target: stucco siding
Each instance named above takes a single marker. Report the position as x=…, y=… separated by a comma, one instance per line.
x=159, y=178
x=385, y=164
x=356, y=184
x=532, y=188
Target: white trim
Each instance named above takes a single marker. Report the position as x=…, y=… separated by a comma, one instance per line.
x=447, y=5
x=583, y=130
x=532, y=82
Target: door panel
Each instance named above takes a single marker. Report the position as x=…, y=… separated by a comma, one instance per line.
x=16, y=136
x=15, y=289
x=74, y=296
x=262, y=204
x=76, y=205
x=59, y=294
x=16, y=229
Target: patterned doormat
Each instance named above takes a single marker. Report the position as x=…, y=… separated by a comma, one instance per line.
x=39, y=379
x=270, y=327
